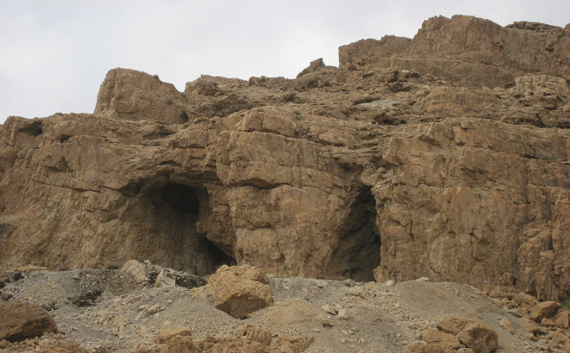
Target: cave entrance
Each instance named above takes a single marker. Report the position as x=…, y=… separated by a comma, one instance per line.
x=179, y=243
x=358, y=252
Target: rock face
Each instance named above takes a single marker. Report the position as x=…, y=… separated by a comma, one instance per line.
x=469, y=50
x=22, y=320
x=397, y=165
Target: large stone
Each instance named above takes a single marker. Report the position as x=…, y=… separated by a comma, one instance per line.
x=239, y=290
x=454, y=324
x=562, y=319
x=21, y=320
x=444, y=340
x=480, y=339
x=558, y=336
x=473, y=335
x=544, y=310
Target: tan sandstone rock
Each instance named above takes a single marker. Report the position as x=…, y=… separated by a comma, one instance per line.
x=443, y=340
x=543, y=310
x=473, y=335
x=21, y=320
x=479, y=338
x=239, y=290
x=563, y=319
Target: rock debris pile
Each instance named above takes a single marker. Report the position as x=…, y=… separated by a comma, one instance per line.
x=305, y=315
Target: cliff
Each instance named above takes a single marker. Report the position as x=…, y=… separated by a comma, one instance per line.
x=443, y=156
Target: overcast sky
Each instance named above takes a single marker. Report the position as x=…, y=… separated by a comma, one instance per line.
x=55, y=54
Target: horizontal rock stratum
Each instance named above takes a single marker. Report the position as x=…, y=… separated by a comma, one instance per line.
x=442, y=156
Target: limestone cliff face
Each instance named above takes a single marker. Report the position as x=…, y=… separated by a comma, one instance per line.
x=366, y=171
x=469, y=50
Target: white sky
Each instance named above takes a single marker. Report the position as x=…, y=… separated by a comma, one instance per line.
x=54, y=54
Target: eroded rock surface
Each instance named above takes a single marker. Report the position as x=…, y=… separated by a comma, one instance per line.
x=442, y=156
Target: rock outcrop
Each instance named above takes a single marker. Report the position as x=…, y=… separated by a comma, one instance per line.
x=468, y=50
x=443, y=156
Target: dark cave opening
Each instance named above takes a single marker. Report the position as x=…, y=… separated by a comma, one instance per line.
x=182, y=198
x=219, y=257
x=358, y=252
x=180, y=243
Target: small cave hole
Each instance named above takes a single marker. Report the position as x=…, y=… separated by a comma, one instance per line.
x=219, y=257
x=183, y=118
x=35, y=128
x=64, y=137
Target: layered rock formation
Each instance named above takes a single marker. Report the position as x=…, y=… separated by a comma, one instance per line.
x=442, y=156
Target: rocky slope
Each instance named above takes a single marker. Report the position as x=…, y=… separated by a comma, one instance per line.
x=103, y=311
x=443, y=156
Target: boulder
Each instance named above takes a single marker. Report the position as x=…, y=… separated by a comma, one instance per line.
x=454, y=324
x=558, y=336
x=239, y=290
x=479, y=338
x=543, y=310
x=21, y=320
x=443, y=340
x=562, y=319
